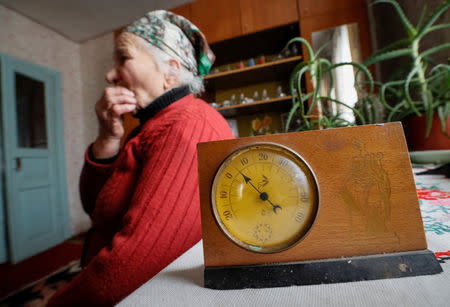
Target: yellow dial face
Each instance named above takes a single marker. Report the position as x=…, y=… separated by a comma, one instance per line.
x=264, y=198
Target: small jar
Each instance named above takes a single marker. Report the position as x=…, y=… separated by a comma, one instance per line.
x=264, y=95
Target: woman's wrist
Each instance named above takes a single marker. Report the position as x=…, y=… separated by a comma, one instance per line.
x=105, y=147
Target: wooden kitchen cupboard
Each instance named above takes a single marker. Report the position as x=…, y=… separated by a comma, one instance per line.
x=218, y=20
x=310, y=16
x=260, y=28
x=224, y=19
x=243, y=29
x=233, y=81
x=258, y=15
x=228, y=26
x=183, y=10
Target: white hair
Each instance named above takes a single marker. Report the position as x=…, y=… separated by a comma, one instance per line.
x=185, y=77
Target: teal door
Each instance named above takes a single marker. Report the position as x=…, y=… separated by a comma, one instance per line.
x=33, y=158
x=3, y=254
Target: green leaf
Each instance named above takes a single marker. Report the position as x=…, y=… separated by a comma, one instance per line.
x=395, y=110
x=325, y=122
x=443, y=117
x=324, y=61
x=299, y=90
x=316, y=76
x=304, y=42
x=387, y=56
x=389, y=86
x=407, y=95
x=444, y=113
x=291, y=114
x=434, y=28
x=298, y=84
x=429, y=111
x=360, y=67
x=440, y=66
x=295, y=72
x=375, y=83
x=321, y=48
x=439, y=81
x=434, y=49
x=297, y=75
x=298, y=98
x=406, y=24
x=433, y=17
x=327, y=64
x=361, y=118
x=394, y=46
x=422, y=16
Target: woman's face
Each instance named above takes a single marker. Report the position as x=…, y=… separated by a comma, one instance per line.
x=136, y=70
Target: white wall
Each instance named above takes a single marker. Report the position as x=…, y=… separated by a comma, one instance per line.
x=96, y=60
x=82, y=67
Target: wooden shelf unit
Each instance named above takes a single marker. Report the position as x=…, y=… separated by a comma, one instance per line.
x=243, y=29
x=279, y=104
x=270, y=75
x=276, y=70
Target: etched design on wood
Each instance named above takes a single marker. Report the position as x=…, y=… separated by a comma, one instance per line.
x=367, y=190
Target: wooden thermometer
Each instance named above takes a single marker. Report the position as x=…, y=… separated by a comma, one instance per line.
x=311, y=207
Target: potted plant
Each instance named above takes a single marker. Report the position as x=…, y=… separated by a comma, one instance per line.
x=423, y=91
x=312, y=110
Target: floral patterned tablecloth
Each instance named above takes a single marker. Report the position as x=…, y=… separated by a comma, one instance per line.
x=434, y=198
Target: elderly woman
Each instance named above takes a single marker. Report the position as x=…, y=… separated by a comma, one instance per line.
x=143, y=200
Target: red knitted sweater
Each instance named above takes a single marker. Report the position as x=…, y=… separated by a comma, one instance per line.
x=145, y=206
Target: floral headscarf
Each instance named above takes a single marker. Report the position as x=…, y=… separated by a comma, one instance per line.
x=176, y=36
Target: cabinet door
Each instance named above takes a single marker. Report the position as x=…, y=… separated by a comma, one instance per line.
x=308, y=8
x=257, y=15
x=218, y=20
x=183, y=10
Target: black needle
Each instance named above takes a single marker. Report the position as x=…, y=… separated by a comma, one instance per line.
x=275, y=207
x=263, y=195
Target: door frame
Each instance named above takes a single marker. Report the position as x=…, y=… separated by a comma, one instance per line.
x=55, y=128
x=3, y=237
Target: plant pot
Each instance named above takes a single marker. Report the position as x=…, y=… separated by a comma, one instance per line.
x=415, y=128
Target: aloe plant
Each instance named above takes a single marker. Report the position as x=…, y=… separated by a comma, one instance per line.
x=425, y=89
x=310, y=107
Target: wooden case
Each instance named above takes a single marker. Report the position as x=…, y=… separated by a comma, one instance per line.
x=367, y=197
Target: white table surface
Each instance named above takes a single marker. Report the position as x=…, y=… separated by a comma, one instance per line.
x=181, y=283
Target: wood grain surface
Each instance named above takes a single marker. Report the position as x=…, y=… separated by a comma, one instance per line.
x=257, y=15
x=367, y=197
